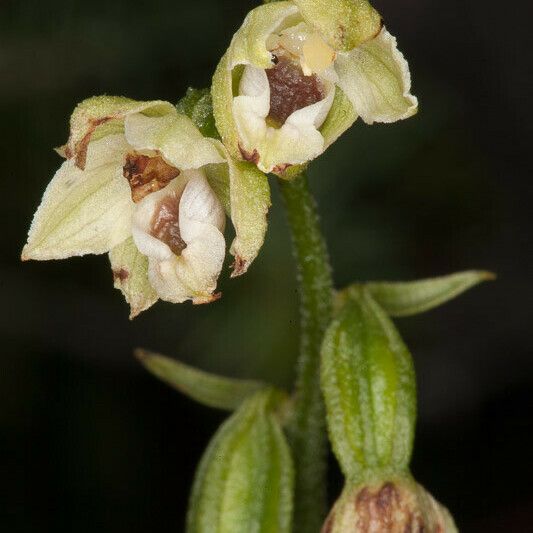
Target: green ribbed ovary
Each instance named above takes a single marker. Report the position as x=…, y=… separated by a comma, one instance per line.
x=244, y=483
x=368, y=382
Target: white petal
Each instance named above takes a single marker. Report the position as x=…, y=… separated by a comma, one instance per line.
x=164, y=278
x=251, y=107
x=313, y=115
x=174, y=136
x=84, y=212
x=192, y=275
x=142, y=220
x=375, y=77
x=296, y=142
x=199, y=204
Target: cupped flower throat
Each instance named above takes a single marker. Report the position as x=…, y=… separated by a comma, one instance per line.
x=290, y=84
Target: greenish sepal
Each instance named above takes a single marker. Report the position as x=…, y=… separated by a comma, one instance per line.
x=208, y=389
x=245, y=193
x=222, y=95
x=414, y=297
x=219, y=180
x=245, y=479
x=91, y=120
x=250, y=202
x=248, y=45
x=197, y=104
x=344, y=24
x=341, y=116
x=130, y=276
x=368, y=383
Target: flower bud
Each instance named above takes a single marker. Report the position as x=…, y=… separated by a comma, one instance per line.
x=397, y=505
x=245, y=479
x=297, y=75
x=368, y=383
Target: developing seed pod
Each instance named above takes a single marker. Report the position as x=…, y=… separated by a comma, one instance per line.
x=244, y=482
x=392, y=506
x=368, y=383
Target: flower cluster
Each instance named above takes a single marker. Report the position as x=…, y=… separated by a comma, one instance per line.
x=141, y=182
x=152, y=185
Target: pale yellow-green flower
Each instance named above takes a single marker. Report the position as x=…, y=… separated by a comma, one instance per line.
x=298, y=74
x=142, y=183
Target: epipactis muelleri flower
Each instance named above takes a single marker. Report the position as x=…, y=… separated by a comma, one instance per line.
x=298, y=74
x=142, y=183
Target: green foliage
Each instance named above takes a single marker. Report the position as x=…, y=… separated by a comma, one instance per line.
x=208, y=389
x=368, y=383
x=245, y=479
x=414, y=297
x=197, y=104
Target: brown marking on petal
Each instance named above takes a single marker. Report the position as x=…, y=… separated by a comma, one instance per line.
x=120, y=275
x=80, y=148
x=291, y=90
x=147, y=174
x=280, y=169
x=68, y=152
x=419, y=527
x=201, y=300
x=328, y=524
x=342, y=33
x=378, y=31
x=252, y=157
x=165, y=224
x=239, y=266
x=381, y=25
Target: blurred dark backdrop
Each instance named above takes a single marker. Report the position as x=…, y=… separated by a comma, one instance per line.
x=90, y=442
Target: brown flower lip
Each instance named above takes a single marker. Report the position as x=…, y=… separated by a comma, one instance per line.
x=165, y=224
x=290, y=89
x=147, y=174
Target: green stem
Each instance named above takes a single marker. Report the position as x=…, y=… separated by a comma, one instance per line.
x=307, y=429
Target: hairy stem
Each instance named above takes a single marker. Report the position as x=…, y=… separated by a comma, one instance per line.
x=307, y=430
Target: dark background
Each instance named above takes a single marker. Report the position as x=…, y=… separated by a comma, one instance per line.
x=91, y=442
